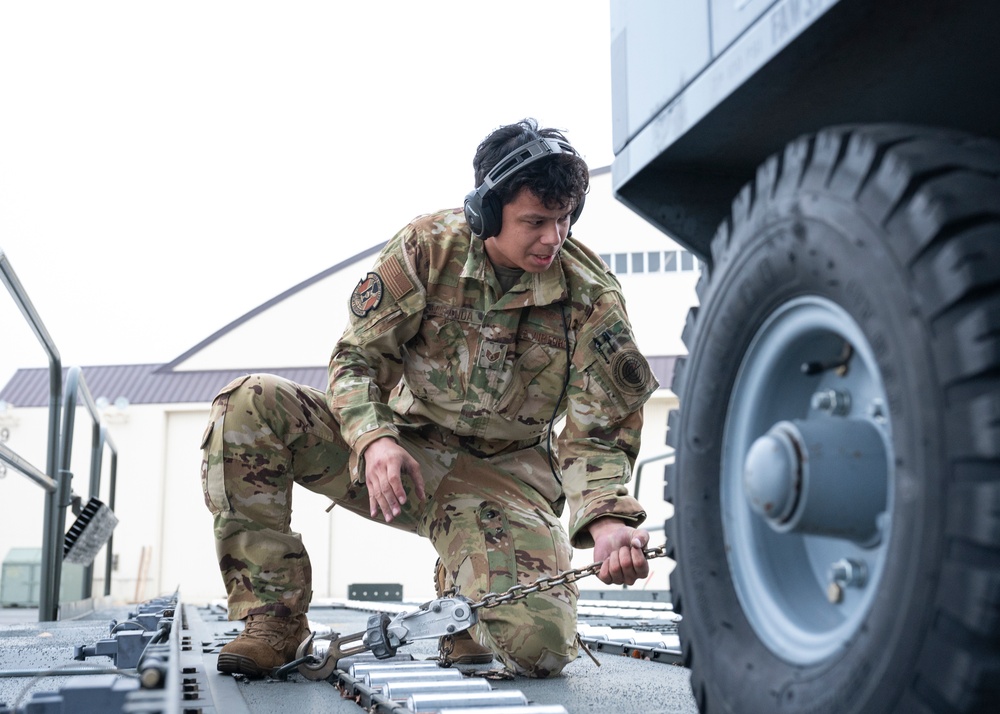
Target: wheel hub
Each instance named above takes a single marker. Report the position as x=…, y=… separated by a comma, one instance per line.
x=820, y=477
x=807, y=480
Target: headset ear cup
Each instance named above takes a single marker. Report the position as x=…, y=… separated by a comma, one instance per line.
x=474, y=212
x=492, y=213
x=575, y=215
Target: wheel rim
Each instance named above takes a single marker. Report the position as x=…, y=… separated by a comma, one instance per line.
x=805, y=551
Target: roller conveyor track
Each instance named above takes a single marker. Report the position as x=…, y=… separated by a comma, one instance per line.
x=176, y=673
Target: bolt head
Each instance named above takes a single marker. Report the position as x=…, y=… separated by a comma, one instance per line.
x=876, y=410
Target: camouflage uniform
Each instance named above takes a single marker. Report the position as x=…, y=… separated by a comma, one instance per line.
x=467, y=379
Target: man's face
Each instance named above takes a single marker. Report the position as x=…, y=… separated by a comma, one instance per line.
x=531, y=234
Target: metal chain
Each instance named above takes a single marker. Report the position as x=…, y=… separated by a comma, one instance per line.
x=520, y=592
x=446, y=644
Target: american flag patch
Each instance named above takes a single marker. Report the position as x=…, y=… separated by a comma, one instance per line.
x=395, y=277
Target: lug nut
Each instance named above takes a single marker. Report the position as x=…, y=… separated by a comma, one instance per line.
x=853, y=573
x=834, y=401
x=845, y=573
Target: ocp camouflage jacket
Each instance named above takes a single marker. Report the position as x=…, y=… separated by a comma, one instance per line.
x=433, y=342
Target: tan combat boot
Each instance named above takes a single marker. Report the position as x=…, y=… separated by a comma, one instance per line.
x=464, y=649
x=266, y=643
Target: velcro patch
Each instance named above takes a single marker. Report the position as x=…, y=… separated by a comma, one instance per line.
x=542, y=338
x=367, y=295
x=492, y=355
x=630, y=371
x=395, y=278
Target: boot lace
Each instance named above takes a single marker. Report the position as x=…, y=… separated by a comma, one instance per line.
x=270, y=629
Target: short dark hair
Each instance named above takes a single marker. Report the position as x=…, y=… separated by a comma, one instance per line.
x=559, y=181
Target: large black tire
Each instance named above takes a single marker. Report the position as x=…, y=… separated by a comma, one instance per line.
x=886, y=239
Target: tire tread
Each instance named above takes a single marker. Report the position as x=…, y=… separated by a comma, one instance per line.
x=937, y=193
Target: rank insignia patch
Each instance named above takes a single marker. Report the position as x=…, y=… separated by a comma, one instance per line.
x=492, y=355
x=630, y=371
x=367, y=295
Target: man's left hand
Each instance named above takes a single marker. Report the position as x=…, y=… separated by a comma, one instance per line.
x=620, y=546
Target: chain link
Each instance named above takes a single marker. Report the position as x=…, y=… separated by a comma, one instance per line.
x=520, y=592
x=446, y=645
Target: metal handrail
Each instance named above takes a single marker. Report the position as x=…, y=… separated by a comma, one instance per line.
x=51, y=557
x=13, y=459
x=16, y=290
x=639, y=466
x=76, y=386
x=57, y=477
x=95, y=484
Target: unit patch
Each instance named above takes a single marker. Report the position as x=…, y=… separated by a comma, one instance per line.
x=630, y=371
x=367, y=295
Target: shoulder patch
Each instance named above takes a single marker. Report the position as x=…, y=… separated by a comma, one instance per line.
x=395, y=277
x=367, y=295
x=630, y=371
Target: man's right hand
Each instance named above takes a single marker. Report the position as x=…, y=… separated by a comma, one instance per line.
x=385, y=463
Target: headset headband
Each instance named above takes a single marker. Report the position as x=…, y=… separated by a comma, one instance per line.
x=521, y=157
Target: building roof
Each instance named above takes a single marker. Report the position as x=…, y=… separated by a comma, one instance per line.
x=145, y=383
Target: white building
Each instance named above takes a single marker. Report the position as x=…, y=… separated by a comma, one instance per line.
x=156, y=415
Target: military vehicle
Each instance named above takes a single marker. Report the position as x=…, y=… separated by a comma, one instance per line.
x=834, y=165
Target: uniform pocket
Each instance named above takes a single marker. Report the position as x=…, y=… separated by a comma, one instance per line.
x=562, y=551
x=526, y=369
x=618, y=368
x=625, y=381
x=213, y=481
x=436, y=368
x=500, y=554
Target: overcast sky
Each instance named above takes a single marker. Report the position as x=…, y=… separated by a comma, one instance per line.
x=166, y=167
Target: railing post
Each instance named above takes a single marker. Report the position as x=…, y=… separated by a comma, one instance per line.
x=99, y=440
x=48, y=603
x=48, y=596
x=109, y=554
x=96, y=444
x=58, y=529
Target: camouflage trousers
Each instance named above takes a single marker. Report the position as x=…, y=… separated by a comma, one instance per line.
x=489, y=528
